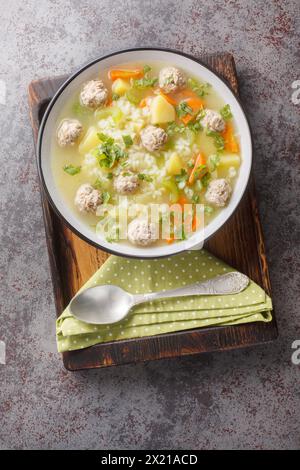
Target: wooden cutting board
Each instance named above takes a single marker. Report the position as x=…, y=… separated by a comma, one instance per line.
x=239, y=243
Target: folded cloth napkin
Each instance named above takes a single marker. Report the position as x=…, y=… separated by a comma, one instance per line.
x=168, y=315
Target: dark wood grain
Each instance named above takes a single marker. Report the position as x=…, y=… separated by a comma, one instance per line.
x=240, y=243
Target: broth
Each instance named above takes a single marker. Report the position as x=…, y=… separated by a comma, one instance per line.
x=164, y=175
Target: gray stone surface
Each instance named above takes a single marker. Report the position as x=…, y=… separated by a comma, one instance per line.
x=242, y=399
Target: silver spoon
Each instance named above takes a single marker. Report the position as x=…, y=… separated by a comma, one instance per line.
x=102, y=305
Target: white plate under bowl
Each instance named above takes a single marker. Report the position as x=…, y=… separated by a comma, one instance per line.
x=70, y=87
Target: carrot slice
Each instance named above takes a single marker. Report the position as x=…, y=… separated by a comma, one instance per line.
x=113, y=74
x=231, y=143
x=200, y=160
x=143, y=103
x=196, y=104
x=170, y=240
x=182, y=201
x=194, y=223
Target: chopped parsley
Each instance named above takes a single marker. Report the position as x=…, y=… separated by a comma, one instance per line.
x=195, y=126
x=144, y=177
x=183, y=109
x=127, y=140
x=104, y=137
x=226, y=112
x=201, y=89
x=110, y=175
x=205, y=179
x=97, y=184
x=198, y=185
x=115, y=96
x=208, y=209
x=213, y=161
x=218, y=139
x=105, y=197
x=146, y=69
x=145, y=82
x=201, y=114
x=196, y=198
x=72, y=170
x=181, y=179
x=108, y=153
x=174, y=128
x=201, y=171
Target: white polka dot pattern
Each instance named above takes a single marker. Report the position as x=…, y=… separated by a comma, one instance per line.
x=167, y=315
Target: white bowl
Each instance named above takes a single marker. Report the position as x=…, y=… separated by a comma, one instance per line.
x=89, y=71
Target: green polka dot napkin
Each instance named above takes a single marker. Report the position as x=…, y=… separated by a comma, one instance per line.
x=167, y=315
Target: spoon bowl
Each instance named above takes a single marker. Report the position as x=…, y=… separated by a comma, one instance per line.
x=101, y=305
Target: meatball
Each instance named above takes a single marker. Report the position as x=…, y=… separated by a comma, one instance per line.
x=87, y=199
x=153, y=138
x=68, y=132
x=141, y=232
x=213, y=121
x=126, y=183
x=94, y=94
x=218, y=192
x=171, y=79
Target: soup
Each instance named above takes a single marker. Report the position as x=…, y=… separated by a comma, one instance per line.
x=145, y=135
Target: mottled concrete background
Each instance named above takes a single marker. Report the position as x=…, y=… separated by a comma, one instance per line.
x=243, y=399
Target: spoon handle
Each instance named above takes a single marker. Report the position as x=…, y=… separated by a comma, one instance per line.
x=229, y=283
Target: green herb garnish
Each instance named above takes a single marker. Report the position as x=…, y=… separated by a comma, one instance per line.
x=108, y=153
x=208, y=209
x=105, y=138
x=97, y=184
x=143, y=177
x=174, y=128
x=213, y=161
x=181, y=179
x=72, y=170
x=201, y=89
x=201, y=114
x=195, y=126
x=146, y=69
x=226, y=112
x=200, y=171
x=115, y=97
x=127, y=140
x=198, y=185
x=218, y=139
x=110, y=176
x=183, y=109
x=205, y=179
x=105, y=197
x=196, y=198
x=145, y=82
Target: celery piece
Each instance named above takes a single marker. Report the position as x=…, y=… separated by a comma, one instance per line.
x=171, y=187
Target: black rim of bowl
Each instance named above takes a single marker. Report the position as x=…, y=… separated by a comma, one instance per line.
x=48, y=111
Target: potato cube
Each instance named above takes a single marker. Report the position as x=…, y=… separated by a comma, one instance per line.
x=89, y=141
x=174, y=165
x=120, y=86
x=161, y=111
